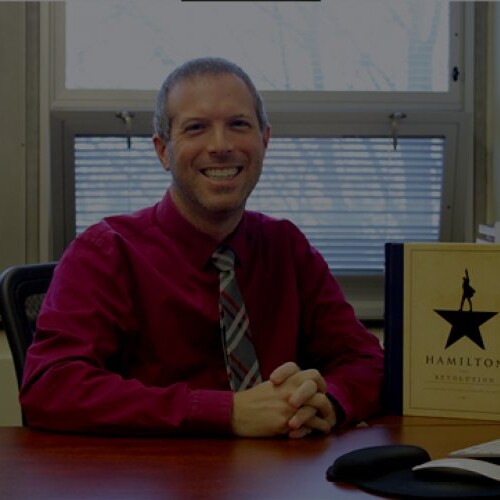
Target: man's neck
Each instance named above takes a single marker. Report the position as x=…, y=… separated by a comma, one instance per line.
x=219, y=230
x=217, y=225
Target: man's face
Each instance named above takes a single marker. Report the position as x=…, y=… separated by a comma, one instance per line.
x=216, y=149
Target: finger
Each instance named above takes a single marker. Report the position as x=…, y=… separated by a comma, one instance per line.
x=323, y=406
x=299, y=433
x=286, y=370
x=301, y=376
x=303, y=393
x=303, y=414
x=318, y=424
x=317, y=377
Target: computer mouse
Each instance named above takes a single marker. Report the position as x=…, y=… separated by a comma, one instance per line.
x=458, y=468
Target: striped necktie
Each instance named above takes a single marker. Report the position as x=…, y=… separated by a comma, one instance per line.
x=239, y=352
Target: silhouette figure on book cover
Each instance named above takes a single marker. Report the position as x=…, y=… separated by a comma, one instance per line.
x=467, y=291
x=465, y=323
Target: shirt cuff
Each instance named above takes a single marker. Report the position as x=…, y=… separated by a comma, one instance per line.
x=211, y=412
x=341, y=407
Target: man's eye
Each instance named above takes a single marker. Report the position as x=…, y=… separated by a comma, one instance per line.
x=240, y=124
x=194, y=127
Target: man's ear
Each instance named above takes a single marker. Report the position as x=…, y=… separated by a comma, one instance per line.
x=266, y=135
x=161, y=151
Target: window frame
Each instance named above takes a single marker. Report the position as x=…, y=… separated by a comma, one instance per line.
x=299, y=101
x=292, y=114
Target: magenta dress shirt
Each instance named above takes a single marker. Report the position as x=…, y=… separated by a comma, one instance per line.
x=128, y=337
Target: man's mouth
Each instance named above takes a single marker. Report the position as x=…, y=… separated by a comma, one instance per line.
x=221, y=173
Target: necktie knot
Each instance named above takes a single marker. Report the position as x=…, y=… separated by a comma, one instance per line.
x=223, y=259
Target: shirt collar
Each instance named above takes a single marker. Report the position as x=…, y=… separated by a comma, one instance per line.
x=198, y=246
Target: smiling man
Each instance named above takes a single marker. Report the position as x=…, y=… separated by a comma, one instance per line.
x=194, y=315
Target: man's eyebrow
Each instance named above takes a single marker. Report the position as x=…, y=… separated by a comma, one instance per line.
x=187, y=119
x=241, y=115
x=191, y=118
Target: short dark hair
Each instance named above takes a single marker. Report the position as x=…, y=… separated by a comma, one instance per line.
x=192, y=69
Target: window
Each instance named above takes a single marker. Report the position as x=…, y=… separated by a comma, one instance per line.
x=371, y=133
x=284, y=46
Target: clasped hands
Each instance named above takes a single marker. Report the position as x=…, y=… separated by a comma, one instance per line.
x=292, y=402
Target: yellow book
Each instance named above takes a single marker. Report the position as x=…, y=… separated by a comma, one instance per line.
x=444, y=343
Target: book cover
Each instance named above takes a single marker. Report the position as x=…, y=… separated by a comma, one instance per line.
x=393, y=328
x=442, y=334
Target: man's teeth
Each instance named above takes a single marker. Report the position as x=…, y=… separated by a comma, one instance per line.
x=221, y=173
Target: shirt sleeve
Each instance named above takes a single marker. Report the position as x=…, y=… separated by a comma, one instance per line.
x=333, y=340
x=69, y=382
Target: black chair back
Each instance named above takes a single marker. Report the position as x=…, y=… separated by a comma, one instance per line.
x=22, y=290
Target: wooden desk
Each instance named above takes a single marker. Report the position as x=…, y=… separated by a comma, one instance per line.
x=36, y=465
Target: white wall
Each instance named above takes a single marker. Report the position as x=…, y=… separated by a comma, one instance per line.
x=12, y=124
x=10, y=411
x=12, y=175
x=493, y=116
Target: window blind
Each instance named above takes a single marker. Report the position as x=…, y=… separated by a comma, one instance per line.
x=349, y=195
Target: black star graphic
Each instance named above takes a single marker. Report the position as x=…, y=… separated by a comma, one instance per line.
x=465, y=324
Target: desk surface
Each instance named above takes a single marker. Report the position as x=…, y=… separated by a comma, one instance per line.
x=35, y=465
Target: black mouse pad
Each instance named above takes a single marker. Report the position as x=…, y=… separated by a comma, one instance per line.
x=386, y=470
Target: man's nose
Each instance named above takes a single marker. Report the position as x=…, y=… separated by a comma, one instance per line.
x=220, y=141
